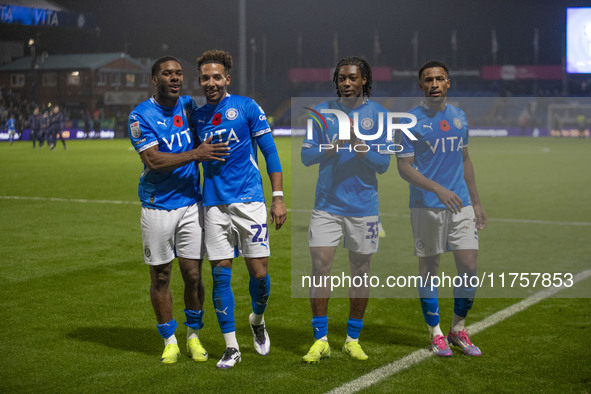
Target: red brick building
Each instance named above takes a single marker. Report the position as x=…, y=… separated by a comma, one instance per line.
x=103, y=81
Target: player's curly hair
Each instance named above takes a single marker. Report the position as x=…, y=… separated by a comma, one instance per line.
x=433, y=64
x=216, y=56
x=364, y=69
x=158, y=63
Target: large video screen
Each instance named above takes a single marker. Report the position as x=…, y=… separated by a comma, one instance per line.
x=578, y=40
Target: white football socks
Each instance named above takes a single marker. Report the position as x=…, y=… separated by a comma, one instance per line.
x=192, y=333
x=256, y=320
x=231, y=341
x=434, y=331
x=458, y=324
x=170, y=339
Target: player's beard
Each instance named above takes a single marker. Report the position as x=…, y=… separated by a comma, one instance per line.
x=214, y=96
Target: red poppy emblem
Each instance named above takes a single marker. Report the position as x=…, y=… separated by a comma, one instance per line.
x=217, y=119
x=444, y=125
x=177, y=121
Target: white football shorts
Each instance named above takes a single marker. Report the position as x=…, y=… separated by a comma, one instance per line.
x=360, y=234
x=438, y=230
x=168, y=234
x=238, y=227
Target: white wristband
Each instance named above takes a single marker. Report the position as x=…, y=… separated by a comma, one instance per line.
x=278, y=194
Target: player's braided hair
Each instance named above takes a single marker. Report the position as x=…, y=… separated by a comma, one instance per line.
x=216, y=56
x=158, y=63
x=364, y=69
x=433, y=64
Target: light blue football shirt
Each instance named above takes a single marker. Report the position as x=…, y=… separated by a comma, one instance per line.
x=237, y=120
x=347, y=185
x=437, y=152
x=151, y=124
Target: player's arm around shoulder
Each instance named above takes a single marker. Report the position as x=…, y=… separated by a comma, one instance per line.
x=206, y=151
x=156, y=160
x=469, y=177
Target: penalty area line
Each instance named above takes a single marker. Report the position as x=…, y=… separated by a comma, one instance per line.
x=416, y=357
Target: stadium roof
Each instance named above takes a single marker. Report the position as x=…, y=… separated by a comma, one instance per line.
x=91, y=61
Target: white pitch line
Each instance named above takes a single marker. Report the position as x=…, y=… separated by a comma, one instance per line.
x=406, y=362
x=296, y=210
x=80, y=200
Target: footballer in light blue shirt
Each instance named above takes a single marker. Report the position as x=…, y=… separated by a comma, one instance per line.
x=445, y=206
x=11, y=127
x=347, y=182
x=346, y=203
x=171, y=213
x=241, y=123
x=235, y=211
x=438, y=153
x=167, y=128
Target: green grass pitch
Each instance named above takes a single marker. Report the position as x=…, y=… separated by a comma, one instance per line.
x=76, y=314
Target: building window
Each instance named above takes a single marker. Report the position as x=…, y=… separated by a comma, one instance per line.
x=145, y=79
x=74, y=78
x=49, y=79
x=101, y=78
x=17, y=80
x=115, y=79
x=129, y=79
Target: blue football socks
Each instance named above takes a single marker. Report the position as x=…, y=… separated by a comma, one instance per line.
x=223, y=298
x=259, y=293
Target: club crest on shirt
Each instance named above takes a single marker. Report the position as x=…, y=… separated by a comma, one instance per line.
x=231, y=114
x=366, y=123
x=457, y=123
x=135, y=129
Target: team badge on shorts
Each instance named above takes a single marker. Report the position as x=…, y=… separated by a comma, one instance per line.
x=366, y=123
x=135, y=129
x=420, y=245
x=147, y=252
x=231, y=114
x=457, y=123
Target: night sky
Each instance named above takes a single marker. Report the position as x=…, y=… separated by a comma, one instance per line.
x=185, y=28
